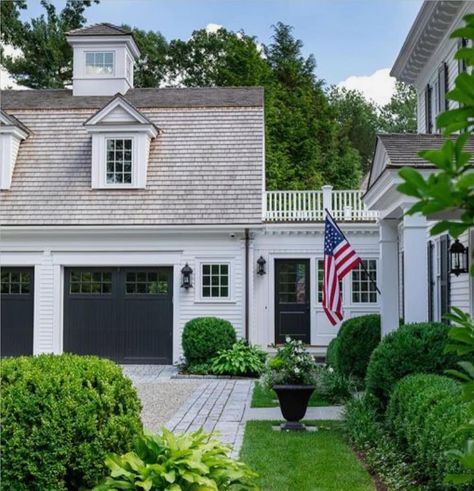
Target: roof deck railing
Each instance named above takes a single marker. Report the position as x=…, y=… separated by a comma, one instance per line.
x=309, y=206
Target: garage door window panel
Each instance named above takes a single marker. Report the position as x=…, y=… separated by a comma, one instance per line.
x=146, y=283
x=16, y=283
x=90, y=282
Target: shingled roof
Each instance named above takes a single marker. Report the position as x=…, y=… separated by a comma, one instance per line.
x=402, y=151
x=140, y=98
x=102, y=29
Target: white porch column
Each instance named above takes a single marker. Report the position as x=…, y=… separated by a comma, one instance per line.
x=388, y=276
x=415, y=269
x=327, y=199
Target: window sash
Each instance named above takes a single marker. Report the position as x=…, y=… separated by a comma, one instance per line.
x=363, y=286
x=215, y=280
x=99, y=63
x=119, y=161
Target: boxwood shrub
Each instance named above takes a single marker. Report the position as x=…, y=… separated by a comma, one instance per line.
x=424, y=414
x=358, y=337
x=331, y=352
x=413, y=348
x=204, y=337
x=60, y=417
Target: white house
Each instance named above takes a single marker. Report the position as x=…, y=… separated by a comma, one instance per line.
x=110, y=195
x=415, y=273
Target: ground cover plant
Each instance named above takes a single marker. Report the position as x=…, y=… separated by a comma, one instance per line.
x=60, y=417
x=187, y=462
x=240, y=360
x=303, y=461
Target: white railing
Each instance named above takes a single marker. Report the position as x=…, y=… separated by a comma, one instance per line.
x=309, y=206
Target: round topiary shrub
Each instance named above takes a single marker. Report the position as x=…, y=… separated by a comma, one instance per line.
x=60, y=417
x=413, y=348
x=331, y=352
x=358, y=337
x=204, y=337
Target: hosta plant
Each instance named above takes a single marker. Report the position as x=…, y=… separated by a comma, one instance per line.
x=241, y=360
x=292, y=365
x=178, y=462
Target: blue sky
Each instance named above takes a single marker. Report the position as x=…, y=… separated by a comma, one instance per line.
x=347, y=37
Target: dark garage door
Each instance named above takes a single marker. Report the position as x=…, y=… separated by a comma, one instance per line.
x=125, y=314
x=16, y=311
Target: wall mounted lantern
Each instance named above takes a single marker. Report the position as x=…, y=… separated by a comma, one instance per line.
x=458, y=258
x=186, y=276
x=261, y=266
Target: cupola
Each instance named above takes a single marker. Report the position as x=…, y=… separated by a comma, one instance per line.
x=103, y=60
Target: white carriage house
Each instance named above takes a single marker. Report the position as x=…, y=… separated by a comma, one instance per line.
x=127, y=212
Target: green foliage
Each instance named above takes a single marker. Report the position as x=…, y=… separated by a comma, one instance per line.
x=60, y=416
x=44, y=59
x=292, y=364
x=413, y=348
x=451, y=187
x=424, y=414
x=186, y=462
x=331, y=352
x=399, y=115
x=240, y=360
x=335, y=387
x=358, y=337
x=204, y=337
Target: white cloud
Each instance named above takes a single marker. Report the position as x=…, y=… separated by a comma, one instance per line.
x=212, y=28
x=377, y=87
x=6, y=81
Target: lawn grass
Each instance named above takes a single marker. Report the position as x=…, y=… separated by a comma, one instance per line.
x=262, y=397
x=319, y=461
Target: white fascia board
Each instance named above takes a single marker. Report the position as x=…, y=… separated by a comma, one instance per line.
x=102, y=40
x=112, y=129
x=13, y=131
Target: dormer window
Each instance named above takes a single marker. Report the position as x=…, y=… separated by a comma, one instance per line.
x=99, y=63
x=119, y=160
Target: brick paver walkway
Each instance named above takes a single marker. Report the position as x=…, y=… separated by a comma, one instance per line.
x=218, y=406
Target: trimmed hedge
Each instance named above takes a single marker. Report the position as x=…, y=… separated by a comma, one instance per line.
x=413, y=348
x=424, y=414
x=358, y=337
x=331, y=352
x=204, y=337
x=60, y=417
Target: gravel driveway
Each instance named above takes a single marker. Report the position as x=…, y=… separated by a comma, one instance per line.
x=161, y=399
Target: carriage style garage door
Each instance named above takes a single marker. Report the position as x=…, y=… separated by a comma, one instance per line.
x=125, y=314
x=16, y=309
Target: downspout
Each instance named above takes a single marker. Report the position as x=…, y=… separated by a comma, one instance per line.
x=247, y=279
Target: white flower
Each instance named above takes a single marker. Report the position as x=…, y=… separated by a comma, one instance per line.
x=297, y=370
x=331, y=370
x=288, y=339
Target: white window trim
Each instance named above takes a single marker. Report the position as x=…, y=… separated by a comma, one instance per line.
x=99, y=160
x=100, y=75
x=198, y=280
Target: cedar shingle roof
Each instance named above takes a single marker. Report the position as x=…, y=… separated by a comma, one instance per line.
x=14, y=121
x=102, y=29
x=140, y=98
x=402, y=149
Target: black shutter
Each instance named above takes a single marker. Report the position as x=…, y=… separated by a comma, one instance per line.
x=443, y=81
x=428, y=122
x=462, y=43
x=444, y=275
x=430, y=281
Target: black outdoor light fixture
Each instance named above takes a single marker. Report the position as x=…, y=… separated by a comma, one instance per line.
x=458, y=258
x=261, y=265
x=186, y=276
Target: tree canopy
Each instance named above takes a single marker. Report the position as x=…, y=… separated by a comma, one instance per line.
x=314, y=135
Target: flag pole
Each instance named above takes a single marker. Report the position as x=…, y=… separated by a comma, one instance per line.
x=361, y=262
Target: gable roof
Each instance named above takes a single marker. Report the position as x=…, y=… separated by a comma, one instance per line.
x=401, y=150
x=139, y=98
x=101, y=29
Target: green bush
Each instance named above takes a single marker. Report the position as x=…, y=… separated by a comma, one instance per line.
x=358, y=337
x=240, y=360
x=204, y=337
x=188, y=461
x=413, y=348
x=335, y=387
x=423, y=415
x=60, y=416
x=331, y=352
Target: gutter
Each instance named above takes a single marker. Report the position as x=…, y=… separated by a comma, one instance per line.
x=247, y=275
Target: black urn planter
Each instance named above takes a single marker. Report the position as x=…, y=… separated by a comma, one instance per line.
x=293, y=403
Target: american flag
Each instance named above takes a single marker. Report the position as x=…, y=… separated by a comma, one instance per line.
x=339, y=259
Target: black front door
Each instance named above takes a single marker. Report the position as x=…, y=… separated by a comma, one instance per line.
x=125, y=314
x=292, y=300
x=16, y=307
